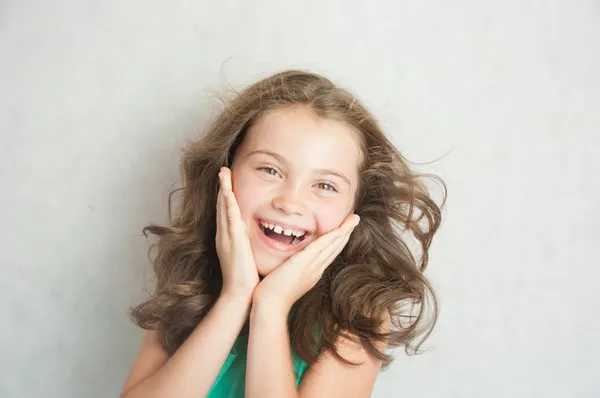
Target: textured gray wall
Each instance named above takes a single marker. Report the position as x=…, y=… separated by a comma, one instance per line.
x=97, y=98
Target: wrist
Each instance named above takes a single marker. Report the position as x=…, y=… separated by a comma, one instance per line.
x=239, y=297
x=269, y=306
x=244, y=290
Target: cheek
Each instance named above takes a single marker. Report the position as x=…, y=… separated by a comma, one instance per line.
x=249, y=196
x=330, y=217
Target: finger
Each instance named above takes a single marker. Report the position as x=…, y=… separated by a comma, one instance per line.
x=350, y=223
x=234, y=216
x=222, y=223
x=326, y=257
x=340, y=238
x=325, y=242
x=225, y=174
x=320, y=253
x=225, y=190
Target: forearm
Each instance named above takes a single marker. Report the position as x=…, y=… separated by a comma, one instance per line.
x=192, y=370
x=269, y=371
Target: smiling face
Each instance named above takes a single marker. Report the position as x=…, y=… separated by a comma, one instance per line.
x=295, y=177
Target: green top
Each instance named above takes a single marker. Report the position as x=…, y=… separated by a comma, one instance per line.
x=231, y=381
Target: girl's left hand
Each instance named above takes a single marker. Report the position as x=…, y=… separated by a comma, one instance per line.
x=301, y=272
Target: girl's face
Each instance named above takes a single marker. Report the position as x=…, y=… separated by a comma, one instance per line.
x=294, y=174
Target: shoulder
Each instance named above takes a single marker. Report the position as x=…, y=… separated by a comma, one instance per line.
x=332, y=377
x=151, y=357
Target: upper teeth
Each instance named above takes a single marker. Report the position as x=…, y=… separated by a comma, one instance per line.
x=281, y=230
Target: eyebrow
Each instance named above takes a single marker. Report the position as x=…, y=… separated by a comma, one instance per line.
x=284, y=160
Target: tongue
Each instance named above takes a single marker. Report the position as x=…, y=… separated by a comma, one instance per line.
x=279, y=237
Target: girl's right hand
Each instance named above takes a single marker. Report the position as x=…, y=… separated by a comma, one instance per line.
x=233, y=246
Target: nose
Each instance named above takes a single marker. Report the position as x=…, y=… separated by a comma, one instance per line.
x=289, y=201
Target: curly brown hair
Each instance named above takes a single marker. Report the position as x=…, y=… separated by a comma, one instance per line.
x=373, y=278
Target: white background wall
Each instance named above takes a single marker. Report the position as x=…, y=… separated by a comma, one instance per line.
x=98, y=97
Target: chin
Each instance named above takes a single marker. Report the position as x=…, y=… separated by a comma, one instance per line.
x=265, y=264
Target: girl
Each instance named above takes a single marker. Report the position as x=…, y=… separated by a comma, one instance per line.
x=284, y=270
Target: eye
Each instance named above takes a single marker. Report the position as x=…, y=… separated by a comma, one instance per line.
x=269, y=170
x=326, y=187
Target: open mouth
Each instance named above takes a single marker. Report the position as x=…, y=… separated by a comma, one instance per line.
x=280, y=234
